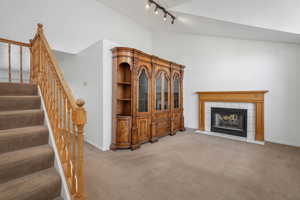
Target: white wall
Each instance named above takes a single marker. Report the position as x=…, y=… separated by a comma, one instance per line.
x=215, y=63
x=89, y=74
x=70, y=25
x=107, y=93
x=83, y=74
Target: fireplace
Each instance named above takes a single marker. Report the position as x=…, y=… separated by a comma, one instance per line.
x=230, y=121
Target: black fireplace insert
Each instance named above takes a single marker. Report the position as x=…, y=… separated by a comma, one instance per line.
x=230, y=121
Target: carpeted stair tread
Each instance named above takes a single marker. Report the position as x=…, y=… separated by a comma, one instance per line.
x=17, y=89
x=21, y=118
x=19, y=103
x=20, y=138
x=20, y=163
x=42, y=185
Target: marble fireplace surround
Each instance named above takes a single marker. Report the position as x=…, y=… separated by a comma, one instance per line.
x=253, y=101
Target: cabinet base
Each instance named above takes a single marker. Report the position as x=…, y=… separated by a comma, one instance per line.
x=153, y=140
x=135, y=146
x=182, y=129
x=113, y=147
x=172, y=134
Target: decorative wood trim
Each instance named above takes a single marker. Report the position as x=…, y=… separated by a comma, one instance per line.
x=256, y=97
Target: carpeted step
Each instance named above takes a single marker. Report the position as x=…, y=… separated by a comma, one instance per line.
x=19, y=103
x=42, y=185
x=18, y=89
x=20, y=163
x=22, y=118
x=20, y=138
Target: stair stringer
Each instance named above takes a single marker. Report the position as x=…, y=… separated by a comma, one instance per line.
x=65, y=194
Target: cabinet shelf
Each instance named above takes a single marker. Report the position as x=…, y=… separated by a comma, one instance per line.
x=124, y=99
x=124, y=83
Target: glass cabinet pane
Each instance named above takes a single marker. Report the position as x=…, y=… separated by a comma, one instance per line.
x=143, y=92
x=166, y=93
x=176, y=92
x=158, y=93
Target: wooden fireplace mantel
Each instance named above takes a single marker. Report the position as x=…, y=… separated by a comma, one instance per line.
x=256, y=97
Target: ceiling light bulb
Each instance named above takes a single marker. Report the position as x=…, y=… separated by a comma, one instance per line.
x=165, y=17
x=156, y=10
x=148, y=5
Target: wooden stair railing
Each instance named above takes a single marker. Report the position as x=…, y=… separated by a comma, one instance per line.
x=21, y=46
x=67, y=116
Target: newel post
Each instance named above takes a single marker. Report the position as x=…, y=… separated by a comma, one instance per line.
x=80, y=120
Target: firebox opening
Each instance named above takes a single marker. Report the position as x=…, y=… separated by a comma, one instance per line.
x=230, y=121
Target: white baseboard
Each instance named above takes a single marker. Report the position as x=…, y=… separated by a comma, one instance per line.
x=94, y=145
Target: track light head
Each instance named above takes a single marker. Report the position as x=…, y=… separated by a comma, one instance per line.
x=165, y=17
x=173, y=20
x=156, y=10
x=148, y=5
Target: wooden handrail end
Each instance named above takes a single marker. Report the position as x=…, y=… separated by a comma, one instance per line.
x=80, y=102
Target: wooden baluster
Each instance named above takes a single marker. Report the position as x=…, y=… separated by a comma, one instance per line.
x=52, y=104
x=31, y=62
x=61, y=117
x=80, y=122
x=56, y=111
x=41, y=73
x=64, y=129
x=21, y=64
x=75, y=147
x=9, y=62
x=48, y=89
x=69, y=141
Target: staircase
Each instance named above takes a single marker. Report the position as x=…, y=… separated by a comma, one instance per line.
x=26, y=159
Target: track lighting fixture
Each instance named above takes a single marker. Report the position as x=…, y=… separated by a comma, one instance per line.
x=159, y=7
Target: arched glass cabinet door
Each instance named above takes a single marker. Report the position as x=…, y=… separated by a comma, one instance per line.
x=166, y=93
x=176, y=85
x=162, y=92
x=158, y=92
x=143, y=92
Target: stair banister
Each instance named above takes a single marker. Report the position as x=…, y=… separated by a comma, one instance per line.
x=21, y=45
x=67, y=115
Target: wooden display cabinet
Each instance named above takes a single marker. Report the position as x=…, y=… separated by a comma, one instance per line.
x=147, y=98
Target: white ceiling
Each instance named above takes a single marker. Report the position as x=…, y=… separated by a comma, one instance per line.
x=282, y=15
x=271, y=20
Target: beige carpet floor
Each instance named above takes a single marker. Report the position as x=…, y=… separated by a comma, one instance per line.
x=191, y=166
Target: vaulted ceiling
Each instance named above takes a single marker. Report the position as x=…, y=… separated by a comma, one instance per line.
x=271, y=20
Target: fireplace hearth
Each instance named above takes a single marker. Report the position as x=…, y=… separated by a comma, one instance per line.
x=229, y=121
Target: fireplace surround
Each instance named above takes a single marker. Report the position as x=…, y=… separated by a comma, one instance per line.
x=255, y=98
x=229, y=121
